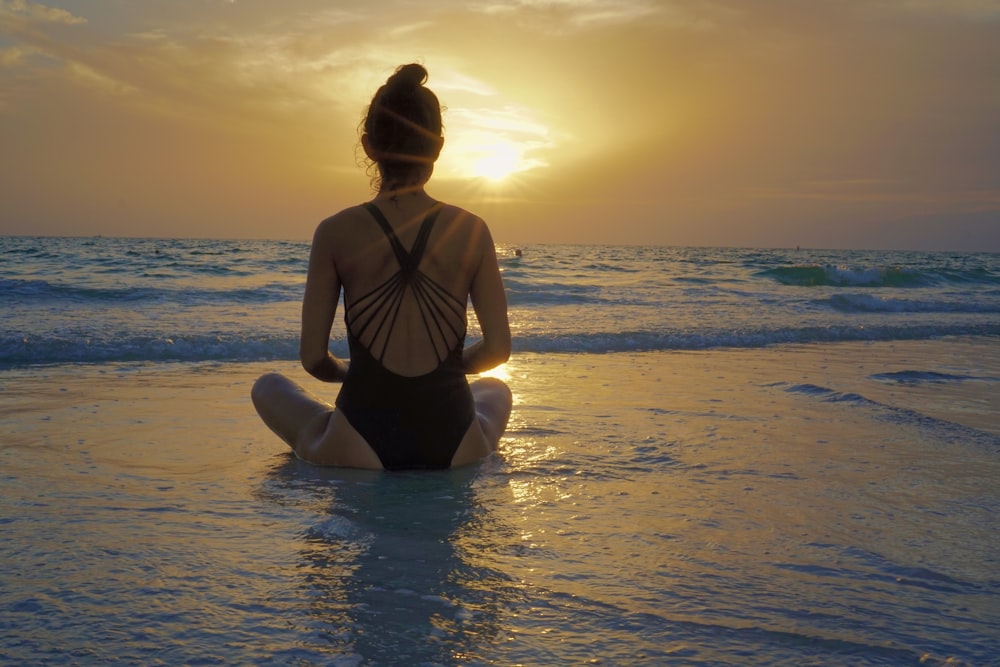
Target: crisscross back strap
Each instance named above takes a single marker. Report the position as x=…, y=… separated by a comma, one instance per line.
x=408, y=261
x=372, y=317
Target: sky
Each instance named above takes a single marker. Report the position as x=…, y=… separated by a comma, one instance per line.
x=756, y=123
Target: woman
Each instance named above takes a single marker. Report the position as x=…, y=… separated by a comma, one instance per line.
x=408, y=265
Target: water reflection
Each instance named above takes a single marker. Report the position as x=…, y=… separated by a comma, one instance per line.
x=395, y=568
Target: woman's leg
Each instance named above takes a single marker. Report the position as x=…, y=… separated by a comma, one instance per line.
x=288, y=409
x=493, y=405
x=315, y=431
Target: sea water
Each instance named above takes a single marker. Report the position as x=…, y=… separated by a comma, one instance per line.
x=107, y=300
x=716, y=456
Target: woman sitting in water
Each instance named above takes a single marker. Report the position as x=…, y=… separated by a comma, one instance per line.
x=408, y=265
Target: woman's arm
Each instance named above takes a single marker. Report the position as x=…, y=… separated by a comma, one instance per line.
x=319, y=306
x=490, y=303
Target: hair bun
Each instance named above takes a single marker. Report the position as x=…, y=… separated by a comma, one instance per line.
x=411, y=75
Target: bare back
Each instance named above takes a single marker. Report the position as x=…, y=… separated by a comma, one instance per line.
x=409, y=323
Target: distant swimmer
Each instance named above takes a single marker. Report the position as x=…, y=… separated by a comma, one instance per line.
x=517, y=252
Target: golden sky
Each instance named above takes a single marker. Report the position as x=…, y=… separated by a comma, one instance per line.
x=830, y=123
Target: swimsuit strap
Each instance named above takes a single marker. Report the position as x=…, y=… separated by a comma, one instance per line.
x=442, y=313
x=408, y=261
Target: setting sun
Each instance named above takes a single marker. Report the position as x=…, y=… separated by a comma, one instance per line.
x=491, y=140
x=497, y=162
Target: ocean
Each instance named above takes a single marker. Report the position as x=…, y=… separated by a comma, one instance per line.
x=93, y=300
x=717, y=456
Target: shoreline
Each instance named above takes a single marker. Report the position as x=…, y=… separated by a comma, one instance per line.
x=951, y=380
x=793, y=493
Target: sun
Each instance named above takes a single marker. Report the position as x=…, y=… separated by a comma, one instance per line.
x=497, y=161
x=493, y=146
x=491, y=156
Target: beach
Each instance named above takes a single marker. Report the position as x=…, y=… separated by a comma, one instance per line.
x=748, y=256
x=792, y=504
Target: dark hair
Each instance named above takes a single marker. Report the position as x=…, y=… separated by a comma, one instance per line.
x=403, y=124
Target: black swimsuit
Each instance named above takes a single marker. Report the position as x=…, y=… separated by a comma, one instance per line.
x=410, y=422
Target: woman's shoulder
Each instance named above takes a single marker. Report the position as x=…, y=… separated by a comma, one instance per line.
x=345, y=217
x=343, y=223
x=466, y=223
x=464, y=237
x=460, y=214
x=354, y=224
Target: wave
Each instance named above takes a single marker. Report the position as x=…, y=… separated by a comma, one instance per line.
x=32, y=350
x=927, y=377
x=911, y=418
x=104, y=300
x=38, y=290
x=18, y=350
x=868, y=303
x=815, y=275
x=644, y=341
x=525, y=292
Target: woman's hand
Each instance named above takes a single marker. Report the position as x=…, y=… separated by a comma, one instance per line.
x=330, y=369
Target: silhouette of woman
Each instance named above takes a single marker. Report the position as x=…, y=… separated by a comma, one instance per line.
x=408, y=265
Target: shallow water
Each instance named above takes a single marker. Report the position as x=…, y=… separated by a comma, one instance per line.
x=819, y=504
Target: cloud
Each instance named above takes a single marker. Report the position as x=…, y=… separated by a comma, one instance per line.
x=974, y=10
x=87, y=76
x=38, y=12
x=409, y=28
x=452, y=81
x=566, y=16
x=11, y=56
x=509, y=119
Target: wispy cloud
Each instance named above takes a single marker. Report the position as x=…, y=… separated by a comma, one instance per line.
x=93, y=78
x=11, y=56
x=563, y=16
x=410, y=28
x=454, y=81
x=975, y=10
x=36, y=11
